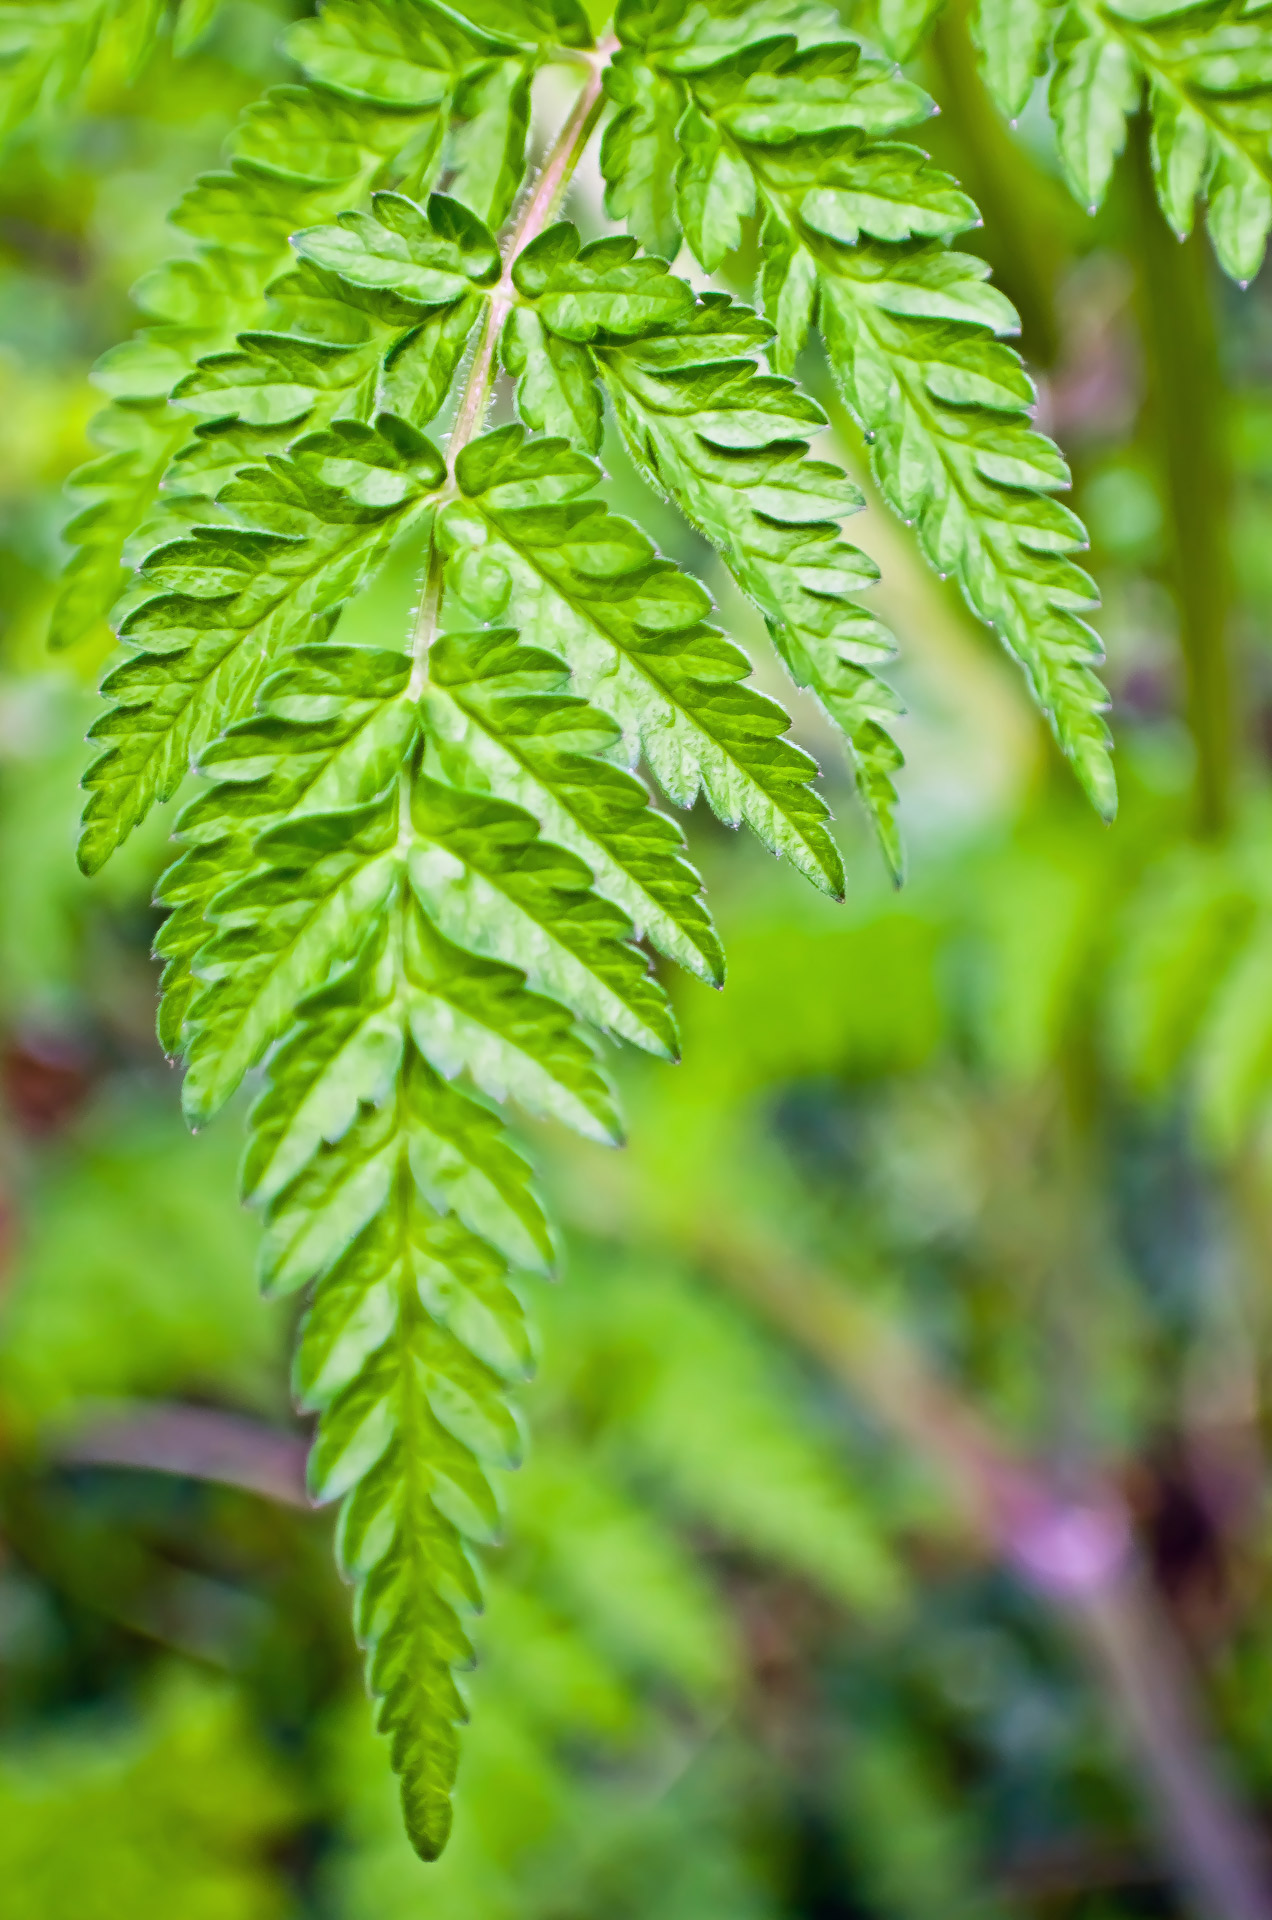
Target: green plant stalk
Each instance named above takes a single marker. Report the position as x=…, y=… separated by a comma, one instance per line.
x=1189, y=413
x=538, y=210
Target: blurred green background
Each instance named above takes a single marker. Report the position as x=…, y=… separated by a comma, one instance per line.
x=950, y=1234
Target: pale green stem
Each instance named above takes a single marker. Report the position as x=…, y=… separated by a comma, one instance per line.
x=536, y=213
x=1189, y=405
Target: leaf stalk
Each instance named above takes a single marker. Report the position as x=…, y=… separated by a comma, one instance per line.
x=535, y=215
x=1189, y=403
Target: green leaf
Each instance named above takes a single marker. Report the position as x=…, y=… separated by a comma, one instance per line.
x=781, y=89
x=276, y=384
x=904, y=23
x=788, y=289
x=308, y=787
x=1239, y=216
x=385, y=1444
x=500, y=721
x=316, y=882
x=848, y=188
x=726, y=443
x=632, y=629
x=800, y=117
x=327, y=1135
x=328, y=732
x=412, y=1409
x=399, y=261
x=225, y=599
x=715, y=191
x=312, y=784
x=399, y=1197
x=488, y=149
x=410, y=886
x=1013, y=37
x=386, y=78
x=1210, y=87
x=406, y=985
x=257, y=399
x=111, y=495
x=419, y=368
x=1094, y=87
x=494, y=886
x=946, y=409
x=603, y=288
x=284, y=380
x=393, y=1193
x=684, y=39
x=556, y=384
x=640, y=152
x=1209, y=80
x=331, y=735
x=553, y=23
x=1181, y=157
x=473, y=1015
x=851, y=229
x=388, y=56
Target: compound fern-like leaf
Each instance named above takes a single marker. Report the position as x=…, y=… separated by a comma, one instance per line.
x=329, y=733
x=502, y=720
x=384, y=83
x=407, y=1216
x=632, y=629
x=856, y=230
x=413, y=930
x=227, y=599
x=728, y=445
x=413, y=881
x=1207, y=72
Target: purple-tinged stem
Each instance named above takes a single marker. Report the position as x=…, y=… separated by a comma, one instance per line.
x=535, y=214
